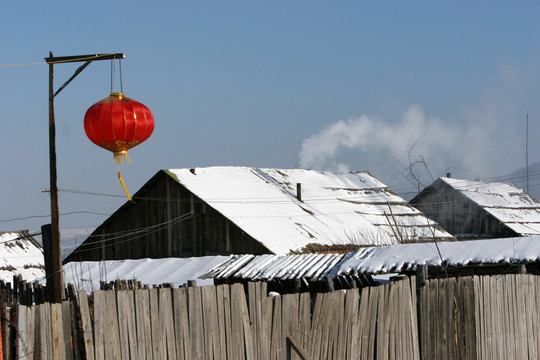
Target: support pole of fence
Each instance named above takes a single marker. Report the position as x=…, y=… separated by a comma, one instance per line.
x=292, y=342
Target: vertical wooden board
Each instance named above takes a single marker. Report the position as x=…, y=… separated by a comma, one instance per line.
x=451, y=323
x=531, y=309
x=502, y=323
x=404, y=339
x=221, y=290
x=289, y=319
x=391, y=320
x=127, y=324
x=22, y=332
x=158, y=341
x=264, y=336
x=340, y=328
x=253, y=313
x=319, y=327
x=69, y=342
x=363, y=325
x=166, y=323
x=501, y=296
x=536, y=317
x=57, y=329
x=82, y=299
x=47, y=331
x=469, y=318
x=410, y=294
x=227, y=322
x=334, y=319
x=490, y=317
x=248, y=340
x=112, y=331
x=123, y=300
x=383, y=323
x=210, y=322
x=277, y=352
x=479, y=316
x=520, y=320
x=144, y=324
x=99, y=324
x=181, y=324
x=443, y=324
x=374, y=294
x=351, y=318
x=30, y=326
x=196, y=323
x=304, y=320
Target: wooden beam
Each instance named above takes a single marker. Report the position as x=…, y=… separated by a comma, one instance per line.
x=80, y=58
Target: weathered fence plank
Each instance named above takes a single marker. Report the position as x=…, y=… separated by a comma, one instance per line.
x=144, y=324
x=181, y=324
x=82, y=299
x=196, y=323
x=166, y=324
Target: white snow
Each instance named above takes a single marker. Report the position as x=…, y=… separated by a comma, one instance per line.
x=336, y=208
x=20, y=255
x=395, y=258
x=86, y=275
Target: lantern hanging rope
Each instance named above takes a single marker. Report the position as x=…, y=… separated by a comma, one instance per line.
x=117, y=124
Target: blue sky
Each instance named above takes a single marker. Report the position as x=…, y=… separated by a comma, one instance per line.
x=349, y=85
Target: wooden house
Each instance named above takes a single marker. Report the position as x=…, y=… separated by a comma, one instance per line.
x=243, y=210
x=474, y=209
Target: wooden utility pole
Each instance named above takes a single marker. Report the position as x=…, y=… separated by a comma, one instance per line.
x=56, y=278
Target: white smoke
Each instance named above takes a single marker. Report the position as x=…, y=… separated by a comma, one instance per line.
x=487, y=139
x=430, y=137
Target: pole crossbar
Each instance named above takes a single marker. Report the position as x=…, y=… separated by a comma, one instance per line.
x=79, y=58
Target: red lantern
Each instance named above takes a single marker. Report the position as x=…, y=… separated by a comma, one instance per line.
x=117, y=124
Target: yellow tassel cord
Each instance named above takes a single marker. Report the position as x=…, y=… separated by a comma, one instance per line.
x=124, y=187
x=121, y=157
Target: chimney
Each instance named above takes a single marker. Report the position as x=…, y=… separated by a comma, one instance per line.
x=448, y=175
x=299, y=191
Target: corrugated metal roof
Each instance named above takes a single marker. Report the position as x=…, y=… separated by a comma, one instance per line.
x=378, y=259
x=335, y=208
x=274, y=267
x=511, y=205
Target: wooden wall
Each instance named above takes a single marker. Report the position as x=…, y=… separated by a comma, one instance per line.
x=166, y=220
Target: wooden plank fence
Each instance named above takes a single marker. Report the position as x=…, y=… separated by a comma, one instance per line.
x=488, y=317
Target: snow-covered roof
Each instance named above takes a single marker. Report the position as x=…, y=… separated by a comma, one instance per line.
x=20, y=254
x=370, y=260
x=506, y=202
x=274, y=267
x=335, y=208
x=402, y=257
x=379, y=259
x=86, y=275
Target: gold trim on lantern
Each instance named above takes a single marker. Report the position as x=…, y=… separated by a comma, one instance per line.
x=121, y=157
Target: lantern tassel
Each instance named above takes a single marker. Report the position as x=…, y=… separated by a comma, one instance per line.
x=124, y=187
x=121, y=157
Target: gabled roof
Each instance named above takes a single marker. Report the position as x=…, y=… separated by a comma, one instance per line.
x=20, y=254
x=506, y=202
x=335, y=207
